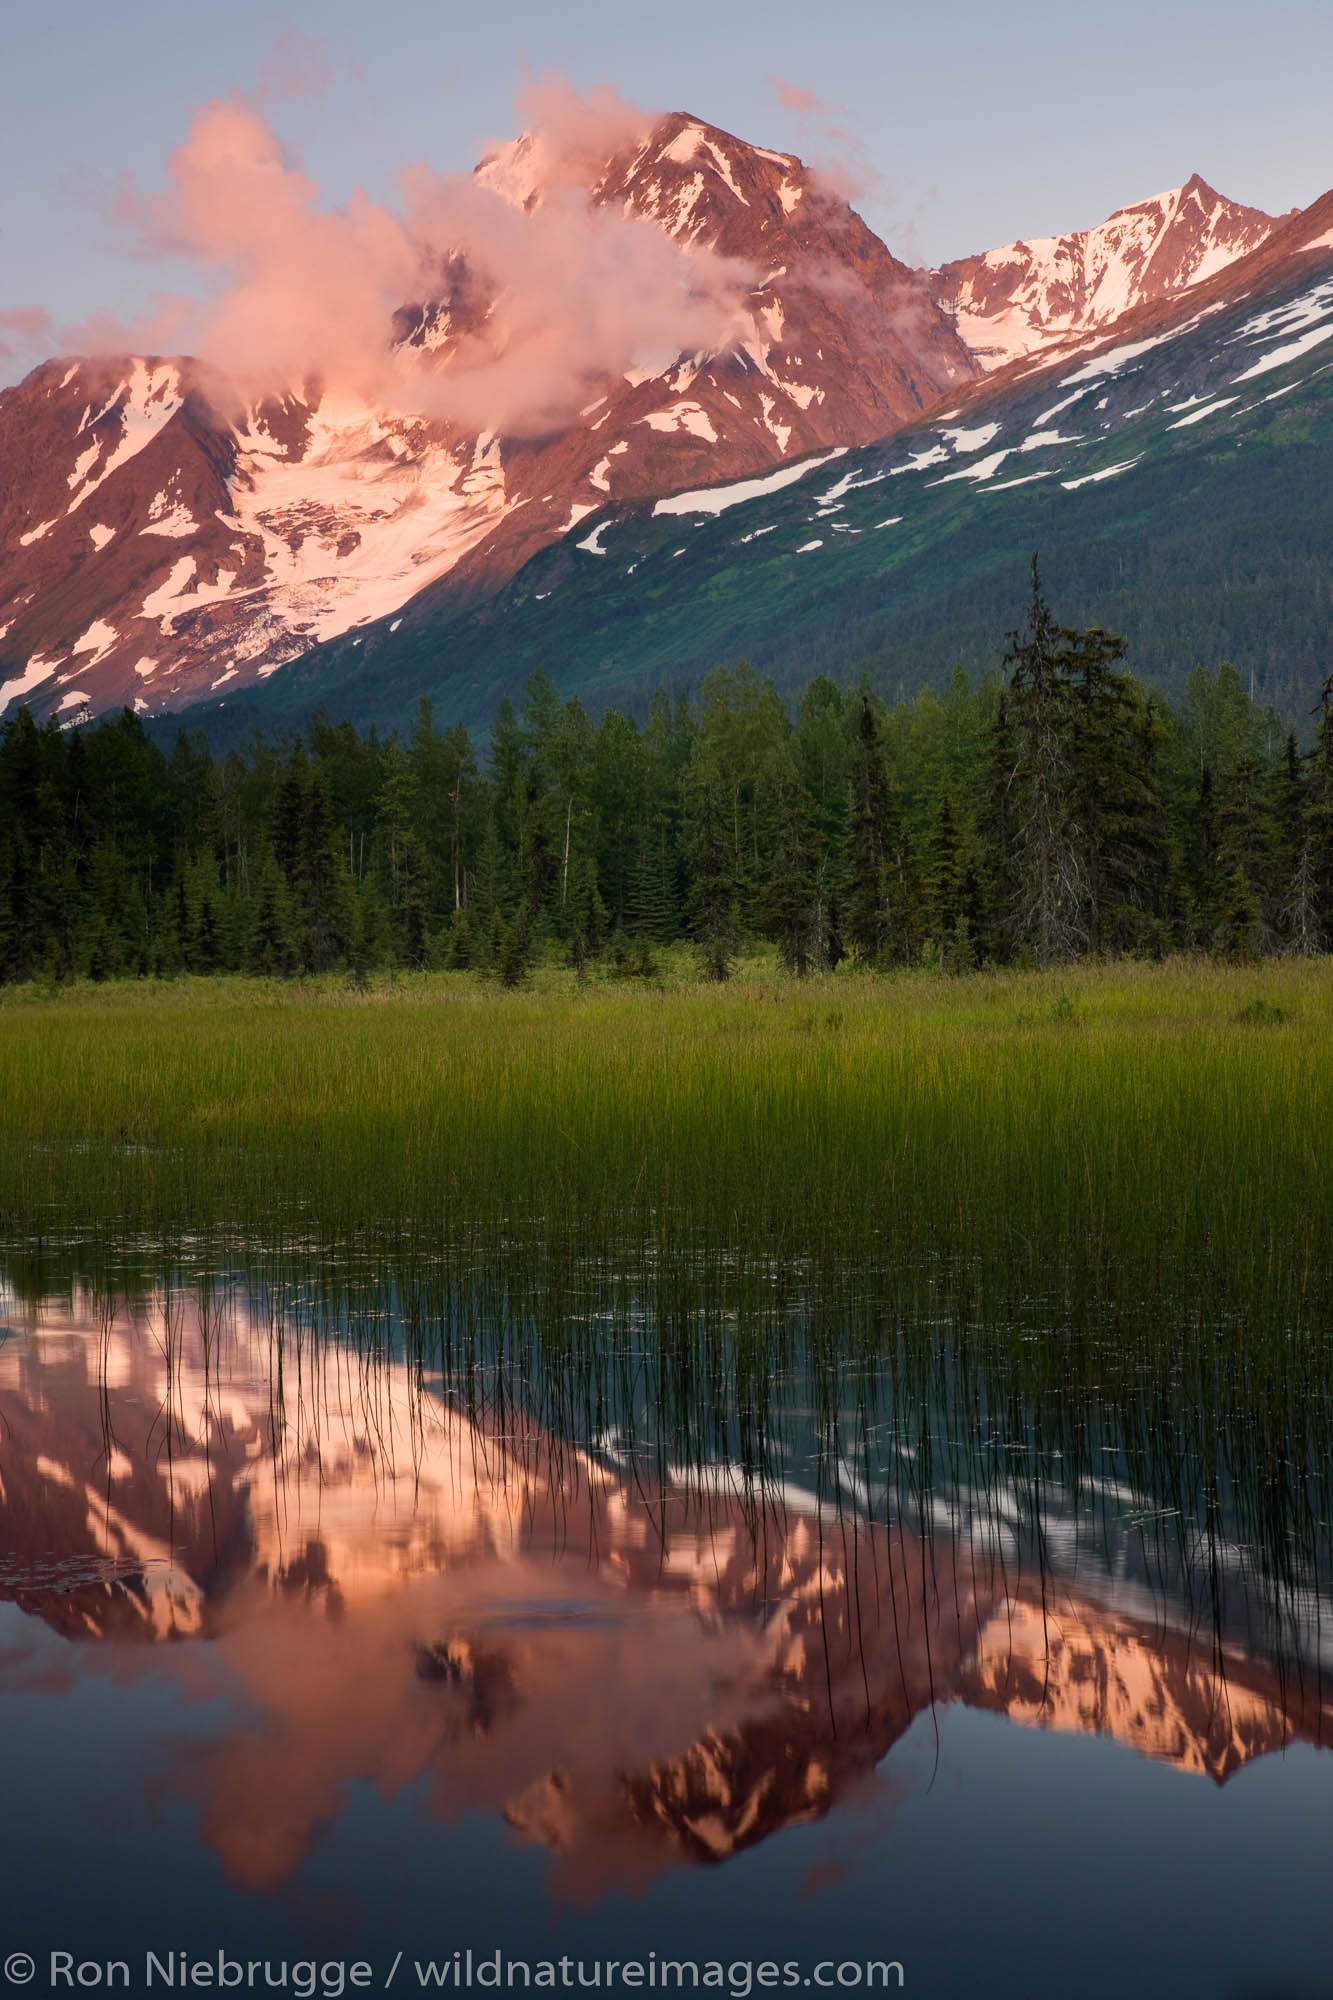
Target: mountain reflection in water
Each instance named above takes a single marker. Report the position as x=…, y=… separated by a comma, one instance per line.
x=402, y=1589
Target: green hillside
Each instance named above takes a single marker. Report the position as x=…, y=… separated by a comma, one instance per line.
x=1180, y=491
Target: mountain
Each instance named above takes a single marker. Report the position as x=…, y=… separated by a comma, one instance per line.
x=1177, y=476
x=1027, y=296
x=162, y=537
x=636, y=1677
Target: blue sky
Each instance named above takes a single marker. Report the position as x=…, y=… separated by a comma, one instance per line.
x=980, y=123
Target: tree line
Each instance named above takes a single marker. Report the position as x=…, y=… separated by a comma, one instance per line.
x=1059, y=810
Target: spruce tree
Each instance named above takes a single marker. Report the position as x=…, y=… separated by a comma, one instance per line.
x=460, y=946
x=495, y=947
x=508, y=775
x=710, y=908
x=487, y=898
x=272, y=950
x=13, y=928
x=1048, y=914
x=206, y=945
x=944, y=875
x=1319, y=824
x=591, y=925
x=880, y=903
x=1248, y=845
x=1239, y=935
x=1144, y=870
x=1205, y=875
x=1100, y=753
x=649, y=911
x=287, y=820
x=1298, y=923
x=113, y=936
x=176, y=952
x=516, y=952
x=42, y=886
x=405, y=855
x=795, y=906
x=1118, y=802
x=998, y=817
x=325, y=884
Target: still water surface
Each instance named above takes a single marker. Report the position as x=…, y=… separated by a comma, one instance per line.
x=320, y=1646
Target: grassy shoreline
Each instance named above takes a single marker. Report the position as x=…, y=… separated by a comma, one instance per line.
x=1185, y=987
x=1123, y=1127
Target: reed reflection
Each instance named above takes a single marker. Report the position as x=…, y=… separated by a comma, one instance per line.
x=410, y=1576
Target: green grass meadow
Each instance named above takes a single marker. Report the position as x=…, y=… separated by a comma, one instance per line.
x=1002, y=1237
x=1130, y=1127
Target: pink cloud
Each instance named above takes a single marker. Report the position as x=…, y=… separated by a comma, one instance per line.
x=24, y=330
x=839, y=154
x=840, y=158
x=792, y=96
x=579, y=293
x=295, y=289
x=578, y=131
x=552, y=296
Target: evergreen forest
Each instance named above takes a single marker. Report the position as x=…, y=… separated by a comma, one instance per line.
x=1058, y=810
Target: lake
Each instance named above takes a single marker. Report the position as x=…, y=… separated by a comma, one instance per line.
x=775, y=1636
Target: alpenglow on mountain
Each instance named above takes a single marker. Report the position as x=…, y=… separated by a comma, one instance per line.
x=162, y=539
x=167, y=541
x=1173, y=471
x=1028, y=296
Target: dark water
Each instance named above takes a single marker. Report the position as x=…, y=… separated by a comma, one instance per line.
x=320, y=1645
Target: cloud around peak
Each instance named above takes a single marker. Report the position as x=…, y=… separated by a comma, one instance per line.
x=291, y=291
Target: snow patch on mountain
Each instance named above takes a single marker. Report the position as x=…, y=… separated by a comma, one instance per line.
x=34, y=674
x=1278, y=357
x=592, y=542
x=1113, y=359
x=716, y=499
x=1029, y=295
x=144, y=402
x=984, y=468
x=1107, y=472
x=973, y=440
x=1204, y=410
x=682, y=417
x=97, y=640
x=850, y=483
x=1313, y=312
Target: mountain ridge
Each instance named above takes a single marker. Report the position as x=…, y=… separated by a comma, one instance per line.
x=1027, y=295
x=1172, y=470
x=161, y=537
x=165, y=544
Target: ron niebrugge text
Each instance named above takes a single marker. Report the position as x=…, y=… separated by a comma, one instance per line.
x=328, y=1979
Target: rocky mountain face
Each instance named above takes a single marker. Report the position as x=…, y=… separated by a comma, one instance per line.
x=162, y=539
x=166, y=542
x=1173, y=470
x=1028, y=296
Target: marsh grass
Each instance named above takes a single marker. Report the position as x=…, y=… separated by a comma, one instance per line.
x=1192, y=1462
x=1059, y=1244
x=1120, y=1133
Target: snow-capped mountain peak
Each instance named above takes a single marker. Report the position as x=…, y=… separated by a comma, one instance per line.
x=662, y=175
x=1030, y=294
x=164, y=538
